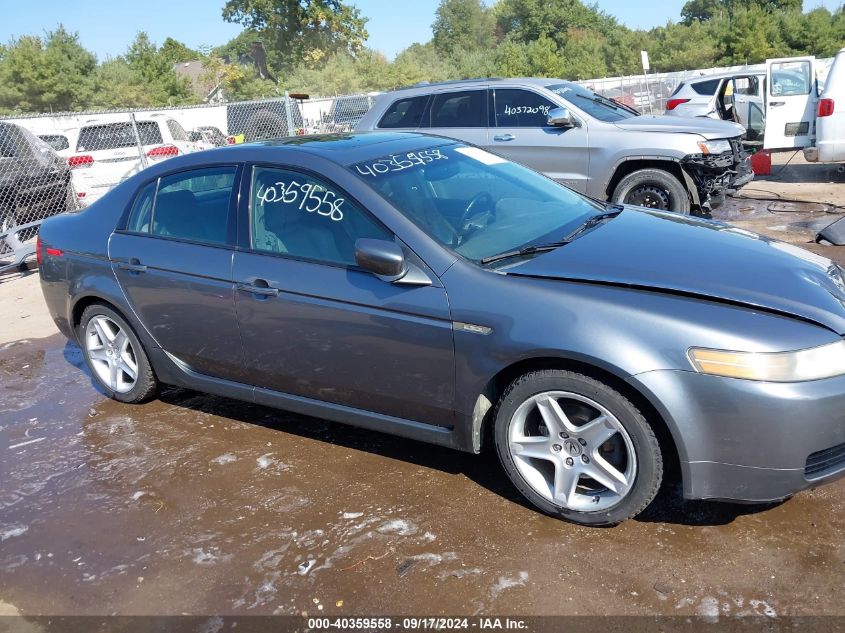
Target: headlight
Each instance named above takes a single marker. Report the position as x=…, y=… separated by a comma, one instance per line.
x=714, y=147
x=806, y=364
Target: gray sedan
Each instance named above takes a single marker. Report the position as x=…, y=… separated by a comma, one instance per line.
x=427, y=288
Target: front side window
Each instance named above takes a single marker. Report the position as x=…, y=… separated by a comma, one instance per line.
x=790, y=79
x=194, y=205
x=459, y=109
x=746, y=86
x=521, y=108
x=474, y=202
x=404, y=113
x=301, y=216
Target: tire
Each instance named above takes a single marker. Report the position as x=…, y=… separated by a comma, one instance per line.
x=144, y=385
x=616, y=437
x=265, y=125
x=653, y=189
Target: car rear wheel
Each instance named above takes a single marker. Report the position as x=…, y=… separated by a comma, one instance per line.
x=653, y=189
x=115, y=356
x=576, y=448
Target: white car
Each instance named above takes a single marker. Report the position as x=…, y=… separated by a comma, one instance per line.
x=736, y=96
x=103, y=153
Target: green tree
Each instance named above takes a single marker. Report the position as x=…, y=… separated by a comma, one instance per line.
x=174, y=51
x=528, y=20
x=684, y=47
x=463, y=26
x=154, y=70
x=300, y=31
x=539, y=58
x=53, y=73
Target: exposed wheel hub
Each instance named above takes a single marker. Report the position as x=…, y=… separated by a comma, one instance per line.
x=649, y=196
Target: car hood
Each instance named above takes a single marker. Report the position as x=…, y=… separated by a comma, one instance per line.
x=667, y=252
x=708, y=128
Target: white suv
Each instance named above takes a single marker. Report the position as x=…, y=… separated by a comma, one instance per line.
x=103, y=153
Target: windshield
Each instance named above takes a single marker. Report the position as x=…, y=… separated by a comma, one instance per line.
x=595, y=105
x=473, y=202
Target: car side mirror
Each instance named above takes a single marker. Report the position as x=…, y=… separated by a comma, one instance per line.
x=561, y=117
x=381, y=257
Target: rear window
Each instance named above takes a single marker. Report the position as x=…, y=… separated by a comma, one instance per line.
x=57, y=141
x=176, y=130
x=404, y=113
x=117, y=135
x=706, y=87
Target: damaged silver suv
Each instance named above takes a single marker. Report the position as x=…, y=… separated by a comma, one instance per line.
x=592, y=144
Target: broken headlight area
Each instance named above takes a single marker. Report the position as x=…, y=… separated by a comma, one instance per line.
x=714, y=175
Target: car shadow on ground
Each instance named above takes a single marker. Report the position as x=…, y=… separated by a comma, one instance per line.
x=484, y=470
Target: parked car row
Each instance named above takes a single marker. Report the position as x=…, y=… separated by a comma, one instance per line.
x=783, y=107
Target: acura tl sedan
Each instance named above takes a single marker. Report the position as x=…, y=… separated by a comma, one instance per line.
x=424, y=287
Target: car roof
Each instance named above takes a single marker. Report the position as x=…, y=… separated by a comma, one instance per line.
x=736, y=73
x=425, y=87
x=342, y=149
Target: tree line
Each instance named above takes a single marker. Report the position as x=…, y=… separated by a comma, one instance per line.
x=318, y=47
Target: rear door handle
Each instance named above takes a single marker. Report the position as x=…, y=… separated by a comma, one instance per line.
x=504, y=137
x=134, y=265
x=775, y=104
x=261, y=290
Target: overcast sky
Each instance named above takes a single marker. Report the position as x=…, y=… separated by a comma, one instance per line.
x=107, y=26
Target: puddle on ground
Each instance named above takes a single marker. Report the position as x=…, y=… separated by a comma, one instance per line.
x=198, y=504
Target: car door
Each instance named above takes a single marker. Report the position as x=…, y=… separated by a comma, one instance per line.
x=173, y=261
x=521, y=133
x=791, y=100
x=315, y=325
x=459, y=114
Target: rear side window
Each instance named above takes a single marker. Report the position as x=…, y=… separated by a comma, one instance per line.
x=118, y=135
x=194, y=205
x=459, y=109
x=746, y=86
x=57, y=141
x=521, y=108
x=142, y=210
x=8, y=142
x=706, y=87
x=176, y=130
x=404, y=113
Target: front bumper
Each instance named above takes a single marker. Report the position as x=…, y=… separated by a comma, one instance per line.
x=714, y=176
x=744, y=440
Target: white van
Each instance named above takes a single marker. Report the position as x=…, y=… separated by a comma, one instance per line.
x=797, y=116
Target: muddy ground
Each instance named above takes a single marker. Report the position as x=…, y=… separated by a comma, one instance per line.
x=197, y=504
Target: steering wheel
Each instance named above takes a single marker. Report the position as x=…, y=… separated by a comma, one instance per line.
x=482, y=208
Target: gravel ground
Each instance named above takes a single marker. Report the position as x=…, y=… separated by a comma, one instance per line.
x=198, y=504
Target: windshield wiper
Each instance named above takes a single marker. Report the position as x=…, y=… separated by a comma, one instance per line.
x=597, y=98
x=550, y=246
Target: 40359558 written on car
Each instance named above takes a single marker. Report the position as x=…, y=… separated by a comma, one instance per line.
x=424, y=287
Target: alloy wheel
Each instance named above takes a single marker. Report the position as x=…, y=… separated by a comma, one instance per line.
x=111, y=354
x=572, y=451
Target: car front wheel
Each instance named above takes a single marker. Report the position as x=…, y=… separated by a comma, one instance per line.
x=113, y=353
x=576, y=448
x=653, y=189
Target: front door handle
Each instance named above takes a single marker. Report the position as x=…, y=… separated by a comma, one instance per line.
x=259, y=289
x=134, y=265
x=775, y=104
x=504, y=137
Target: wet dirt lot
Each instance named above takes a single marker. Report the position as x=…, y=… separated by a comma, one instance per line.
x=197, y=504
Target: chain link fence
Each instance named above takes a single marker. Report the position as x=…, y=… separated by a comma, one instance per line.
x=59, y=162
